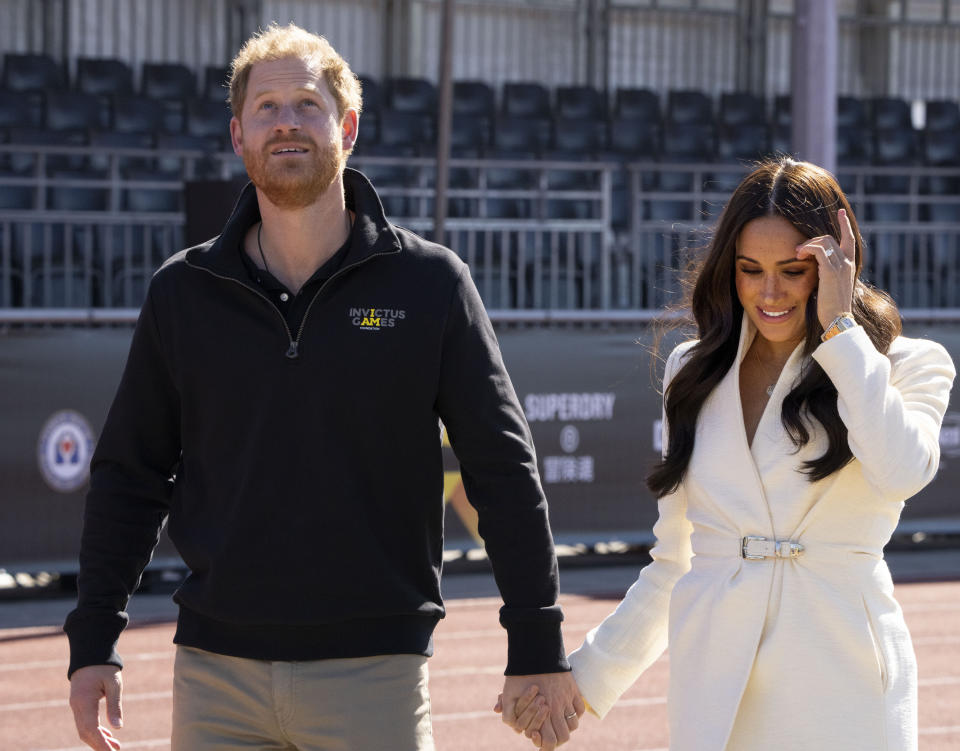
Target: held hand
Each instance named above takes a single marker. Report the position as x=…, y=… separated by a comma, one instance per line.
x=837, y=267
x=87, y=687
x=562, y=700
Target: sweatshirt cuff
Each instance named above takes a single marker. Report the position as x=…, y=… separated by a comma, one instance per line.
x=93, y=639
x=535, y=647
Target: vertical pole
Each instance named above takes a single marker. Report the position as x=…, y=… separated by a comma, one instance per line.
x=814, y=82
x=444, y=118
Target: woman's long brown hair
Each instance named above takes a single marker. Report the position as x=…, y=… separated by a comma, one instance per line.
x=809, y=198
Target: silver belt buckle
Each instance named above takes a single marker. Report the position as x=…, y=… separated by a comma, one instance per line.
x=756, y=548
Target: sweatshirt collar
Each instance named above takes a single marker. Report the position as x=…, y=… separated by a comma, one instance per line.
x=372, y=233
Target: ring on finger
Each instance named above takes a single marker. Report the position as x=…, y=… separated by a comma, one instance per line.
x=570, y=716
x=828, y=251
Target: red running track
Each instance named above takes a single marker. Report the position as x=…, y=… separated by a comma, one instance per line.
x=465, y=677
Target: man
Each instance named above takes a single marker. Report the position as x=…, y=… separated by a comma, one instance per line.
x=280, y=406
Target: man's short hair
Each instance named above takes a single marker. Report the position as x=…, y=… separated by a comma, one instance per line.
x=280, y=42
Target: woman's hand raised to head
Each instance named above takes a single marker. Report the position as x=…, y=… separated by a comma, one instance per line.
x=837, y=267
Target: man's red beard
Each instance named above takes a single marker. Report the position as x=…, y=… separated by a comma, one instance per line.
x=295, y=182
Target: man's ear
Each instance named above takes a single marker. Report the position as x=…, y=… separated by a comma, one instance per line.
x=236, y=136
x=348, y=128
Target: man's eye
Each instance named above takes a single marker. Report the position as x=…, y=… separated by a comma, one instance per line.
x=266, y=105
x=309, y=103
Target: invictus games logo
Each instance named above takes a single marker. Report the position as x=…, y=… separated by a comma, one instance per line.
x=375, y=319
x=64, y=451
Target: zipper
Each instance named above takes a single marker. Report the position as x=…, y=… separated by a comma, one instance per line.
x=293, y=350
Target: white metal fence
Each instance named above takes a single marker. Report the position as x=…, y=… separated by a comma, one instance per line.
x=537, y=235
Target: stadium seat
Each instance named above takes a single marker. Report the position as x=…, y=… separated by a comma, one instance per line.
x=468, y=132
x=942, y=114
x=168, y=81
x=368, y=131
x=851, y=112
x=690, y=143
x=24, y=162
x=526, y=134
x=889, y=112
x=370, y=90
x=73, y=110
x=196, y=167
x=509, y=178
x=526, y=99
x=207, y=117
x=216, y=83
x=577, y=102
x=104, y=76
x=741, y=108
x=152, y=200
x=941, y=148
x=579, y=135
x=60, y=264
x=415, y=95
x=689, y=107
x=31, y=72
x=740, y=144
x=137, y=114
x=111, y=141
x=638, y=139
x=17, y=111
x=18, y=197
x=782, y=111
x=474, y=98
x=66, y=197
x=392, y=176
x=406, y=128
x=636, y=105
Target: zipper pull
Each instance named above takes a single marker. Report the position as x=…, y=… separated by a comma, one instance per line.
x=292, y=351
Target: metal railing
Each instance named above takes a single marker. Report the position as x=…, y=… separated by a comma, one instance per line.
x=538, y=235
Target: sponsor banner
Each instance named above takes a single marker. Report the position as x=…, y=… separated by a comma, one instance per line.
x=590, y=395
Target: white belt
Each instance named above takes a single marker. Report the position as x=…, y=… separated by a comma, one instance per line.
x=754, y=548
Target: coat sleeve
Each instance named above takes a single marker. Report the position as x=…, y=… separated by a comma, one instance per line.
x=892, y=406
x=633, y=636
x=130, y=487
x=491, y=439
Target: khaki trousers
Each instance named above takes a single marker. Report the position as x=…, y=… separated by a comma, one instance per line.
x=223, y=703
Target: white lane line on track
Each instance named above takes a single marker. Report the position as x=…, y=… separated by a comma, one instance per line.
x=42, y=664
x=21, y=706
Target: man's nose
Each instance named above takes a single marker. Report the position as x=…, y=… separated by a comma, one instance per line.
x=287, y=118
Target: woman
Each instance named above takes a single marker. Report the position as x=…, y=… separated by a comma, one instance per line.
x=795, y=428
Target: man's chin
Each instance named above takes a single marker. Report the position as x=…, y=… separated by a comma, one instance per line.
x=293, y=194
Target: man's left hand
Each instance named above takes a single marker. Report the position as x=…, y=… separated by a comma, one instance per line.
x=562, y=697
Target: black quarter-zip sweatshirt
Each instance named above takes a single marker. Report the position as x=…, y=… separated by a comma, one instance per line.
x=300, y=468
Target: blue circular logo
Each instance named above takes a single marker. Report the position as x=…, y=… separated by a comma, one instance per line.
x=64, y=451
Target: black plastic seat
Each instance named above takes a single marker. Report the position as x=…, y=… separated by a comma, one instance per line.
x=941, y=148
x=73, y=110
x=65, y=197
x=474, y=98
x=172, y=164
x=889, y=112
x=942, y=114
x=17, y=111
x=637, y=105
x=370, y=91
x=851, y=112
x=400, y=128
x=207, y=117
x=32, y=72
x=110, y=141
x=577, y=102
x=579, y=135
x=468, y=132
x=168, y=81
x=526, y=99
x=18, y=197
x=741, y=108
x=527, y=134
x=415, y=95
x=216, y=80
x=104, y=75
x=392, y=176
x=689, y=143
x=635, y=138
x=783, y=111
x=152, y=200
x=739, y=144
x=689, y=107
x=24, y=162
x=137, y=114
x=853, y=146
